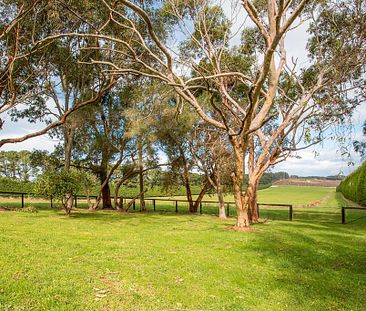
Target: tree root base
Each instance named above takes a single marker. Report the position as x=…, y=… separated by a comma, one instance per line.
x=242, y=229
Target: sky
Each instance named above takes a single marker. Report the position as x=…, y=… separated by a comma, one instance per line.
x=329, y=161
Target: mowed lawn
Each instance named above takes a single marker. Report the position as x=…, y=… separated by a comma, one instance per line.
x=152, y=261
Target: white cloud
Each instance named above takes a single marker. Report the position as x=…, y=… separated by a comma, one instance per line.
x=23, y=127
x=328, y=162
x=40, y=143
x=359, y=115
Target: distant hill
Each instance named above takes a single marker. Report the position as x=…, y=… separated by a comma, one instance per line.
x=310, y=182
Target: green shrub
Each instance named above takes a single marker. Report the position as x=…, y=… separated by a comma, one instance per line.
x=60, y=185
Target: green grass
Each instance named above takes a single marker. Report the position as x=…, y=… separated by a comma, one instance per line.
x=181, y=262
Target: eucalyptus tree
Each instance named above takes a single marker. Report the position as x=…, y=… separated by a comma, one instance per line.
x=212, y=156
x=145, y=101
x=336, y=50
x=101, y=142
x=38, y=64
x=238, y=116
x=292, y=130
x=17, y=165
x=174, y=134
x=360, y=145
x=66, y=83
x=18, y=32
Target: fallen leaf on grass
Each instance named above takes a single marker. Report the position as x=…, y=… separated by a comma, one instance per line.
x=112, y=272
x=101, y=295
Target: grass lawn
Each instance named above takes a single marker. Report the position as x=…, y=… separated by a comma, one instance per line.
x=111, y=261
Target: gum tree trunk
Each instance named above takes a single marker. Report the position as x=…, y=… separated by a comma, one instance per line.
x=189, y=195
x=118, y=204
x=251, y=192
x=203, y=191
x=141, y=176
x=237, y=177
x=252, y=201
x=68, y=142
x=220, y=197
x=222, y=211
x=105, y=191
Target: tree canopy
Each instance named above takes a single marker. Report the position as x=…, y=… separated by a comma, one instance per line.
x=119, y=83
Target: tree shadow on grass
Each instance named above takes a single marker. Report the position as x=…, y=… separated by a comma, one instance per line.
x=317, y=264
x=133, y=218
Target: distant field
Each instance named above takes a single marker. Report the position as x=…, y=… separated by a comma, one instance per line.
x=307, y=182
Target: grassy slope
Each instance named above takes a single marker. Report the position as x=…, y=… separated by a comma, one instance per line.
x=180, y=262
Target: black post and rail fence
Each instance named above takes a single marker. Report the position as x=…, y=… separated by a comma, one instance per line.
x=344, y=208
x=176, y=206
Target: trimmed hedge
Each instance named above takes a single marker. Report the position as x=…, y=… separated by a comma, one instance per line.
x=13, y=185
x=353, y=187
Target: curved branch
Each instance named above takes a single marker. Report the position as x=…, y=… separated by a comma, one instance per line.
x=62, y=119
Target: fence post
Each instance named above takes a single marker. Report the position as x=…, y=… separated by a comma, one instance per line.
x=291, y=213
x=134, y=205
x=76, y=201
x=176, y=206
x=200, y=207
x=154, y=204
x=22, y=200
x=51, y=202
x=228, y=210
x=343, y=216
